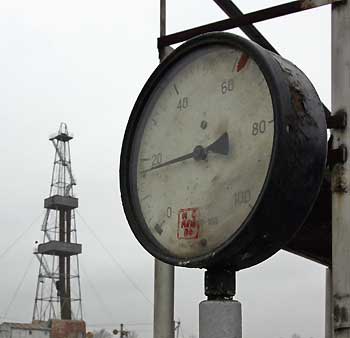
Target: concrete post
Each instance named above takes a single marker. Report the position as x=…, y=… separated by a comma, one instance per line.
x=163, y=320
x=220, y=319
x=341, y=172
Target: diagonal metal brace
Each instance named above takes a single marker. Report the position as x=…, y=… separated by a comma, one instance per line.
x=250, y=30
x=244, y=20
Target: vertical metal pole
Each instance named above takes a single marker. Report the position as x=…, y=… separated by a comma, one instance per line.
x=329, y=307
x=163, y=320
x=341, y=173
x=62, y=268
x=162, y=17
x=163, y=324
x=68, y=277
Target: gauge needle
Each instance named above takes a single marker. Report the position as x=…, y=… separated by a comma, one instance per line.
x=220, y=146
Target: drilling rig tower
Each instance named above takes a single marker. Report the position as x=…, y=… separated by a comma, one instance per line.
x=58, y=294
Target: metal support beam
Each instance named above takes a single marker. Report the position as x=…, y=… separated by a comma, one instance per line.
x=341, y=173
x=233, y=11
x=163, y=325
x=163, y=321
x=62, y=159
x=244, y=20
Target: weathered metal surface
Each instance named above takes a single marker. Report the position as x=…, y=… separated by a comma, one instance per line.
x=341, y=313
x=341, y=173
x=337, y=121
x=253, y=33
x=301, y=129
x=243, y=20
x=314, y=239
x=336, y=156
x=220, y=284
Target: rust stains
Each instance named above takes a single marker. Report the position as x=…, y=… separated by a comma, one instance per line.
x=242, y=62
x=339, y=182
x=341, y=314
x=297, y=100
x=308, y=4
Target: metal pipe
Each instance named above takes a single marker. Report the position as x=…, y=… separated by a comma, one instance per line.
x=163, y=316
x=162, y=17
x=341, y=173
x=163, y=324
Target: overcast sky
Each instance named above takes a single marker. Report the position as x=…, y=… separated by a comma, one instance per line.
x=84, y=62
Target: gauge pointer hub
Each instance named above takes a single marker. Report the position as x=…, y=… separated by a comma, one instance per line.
x=220, y=146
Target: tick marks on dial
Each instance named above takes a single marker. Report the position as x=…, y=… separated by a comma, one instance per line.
x=145, y=159
x=159, y=228
x=154, y=122
x=145, y=197
x=242, y=197
x=270, y=121
x=176, y=90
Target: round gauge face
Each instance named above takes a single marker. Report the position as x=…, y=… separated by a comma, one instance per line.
x=202, y=150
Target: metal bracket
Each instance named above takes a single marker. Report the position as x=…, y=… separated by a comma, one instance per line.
x=338, y=155
x=244, y=20
x=338, y=120
x=220, y=284
x=341, y=312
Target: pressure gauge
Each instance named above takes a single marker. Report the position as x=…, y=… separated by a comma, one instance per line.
x=223, y=155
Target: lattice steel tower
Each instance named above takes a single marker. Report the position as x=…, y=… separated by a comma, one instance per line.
x=58, y=294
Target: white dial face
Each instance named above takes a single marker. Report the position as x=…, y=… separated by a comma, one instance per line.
x=204, y=150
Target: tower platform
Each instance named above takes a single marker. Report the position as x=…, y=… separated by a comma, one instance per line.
x=58, y=202
x=57, y=248
x=61, y=136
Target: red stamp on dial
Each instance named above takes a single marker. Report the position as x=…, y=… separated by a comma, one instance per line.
x=188, y=226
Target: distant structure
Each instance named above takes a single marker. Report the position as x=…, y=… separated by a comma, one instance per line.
x=58, y=294
x=49, y=329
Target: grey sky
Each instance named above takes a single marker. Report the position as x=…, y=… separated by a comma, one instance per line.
x=84, y=62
